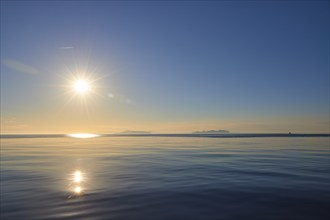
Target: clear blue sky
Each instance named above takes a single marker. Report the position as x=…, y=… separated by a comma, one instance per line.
x=257, y=66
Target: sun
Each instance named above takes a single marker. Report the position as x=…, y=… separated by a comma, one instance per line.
x=81, y=86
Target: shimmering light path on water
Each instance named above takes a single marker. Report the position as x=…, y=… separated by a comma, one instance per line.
x=165, y=178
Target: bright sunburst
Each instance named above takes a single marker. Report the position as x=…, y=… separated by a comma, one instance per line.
x=81, y=86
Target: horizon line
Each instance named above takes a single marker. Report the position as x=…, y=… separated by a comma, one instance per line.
x=202, y=135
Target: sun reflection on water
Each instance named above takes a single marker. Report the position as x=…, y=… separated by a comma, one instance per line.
x=77, y=177
x=76, y=184
x=78, y=190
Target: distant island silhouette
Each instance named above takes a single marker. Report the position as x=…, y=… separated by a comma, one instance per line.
x=212, y=132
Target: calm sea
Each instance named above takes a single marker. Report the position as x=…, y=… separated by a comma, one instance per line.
x=165, y=178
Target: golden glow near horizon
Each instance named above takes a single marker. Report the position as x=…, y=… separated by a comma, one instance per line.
x=81, y=86
x=83, y=135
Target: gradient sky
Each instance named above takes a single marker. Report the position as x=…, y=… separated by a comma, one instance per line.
x=177, y=66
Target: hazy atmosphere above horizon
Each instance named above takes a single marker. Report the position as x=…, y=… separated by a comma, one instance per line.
x=164, y=66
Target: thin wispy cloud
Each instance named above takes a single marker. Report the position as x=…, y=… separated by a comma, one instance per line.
x=66, y=48
x=10, y=122
x=121, y=99
x=20, y=67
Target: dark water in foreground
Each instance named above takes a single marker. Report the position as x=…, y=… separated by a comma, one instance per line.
x=165, y=178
